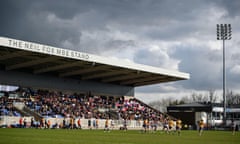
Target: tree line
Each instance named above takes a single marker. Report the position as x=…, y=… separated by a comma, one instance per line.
x=210, y=96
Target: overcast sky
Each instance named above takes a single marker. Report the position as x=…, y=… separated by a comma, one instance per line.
x=173, y=34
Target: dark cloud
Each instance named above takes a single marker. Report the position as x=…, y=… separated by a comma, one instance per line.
x=153, y=58
x=12, y=18
x=236, y=57
x=120, y=26
x=205, y=68
x=205, y=72
x=28, y=19
x=120, y=44
x=232, y=7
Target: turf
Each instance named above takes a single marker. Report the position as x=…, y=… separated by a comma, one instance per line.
x=61, y=136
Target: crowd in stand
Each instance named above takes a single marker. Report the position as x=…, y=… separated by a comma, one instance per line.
x=66, y=105
x=133, y=109
x=7, y=108
x=58, y=104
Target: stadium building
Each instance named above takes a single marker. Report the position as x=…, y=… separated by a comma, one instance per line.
x=38, y=66
x=210, y=113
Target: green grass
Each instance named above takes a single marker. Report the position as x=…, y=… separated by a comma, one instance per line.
x=60, y=136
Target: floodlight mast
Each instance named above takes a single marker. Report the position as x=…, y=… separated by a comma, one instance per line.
x=224, y=32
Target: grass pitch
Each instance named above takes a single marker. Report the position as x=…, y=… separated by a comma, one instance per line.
x=63, y=136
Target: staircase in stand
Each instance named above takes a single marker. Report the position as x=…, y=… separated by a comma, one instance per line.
x=25, y=111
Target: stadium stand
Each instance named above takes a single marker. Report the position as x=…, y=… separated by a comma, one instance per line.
x=46, y=104
x=71, y=85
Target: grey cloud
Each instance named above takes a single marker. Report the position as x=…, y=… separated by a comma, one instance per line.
x=120, y=44
x=205, y=68
x=232, y=80
x=205, y=74
x=22, y=20
x=236, y=57
x=147, y=20
x=144, y=56
x=231, y=6
x=214, y=56
x=129, y=14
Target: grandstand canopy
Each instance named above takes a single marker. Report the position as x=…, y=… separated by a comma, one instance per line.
x=38, y=59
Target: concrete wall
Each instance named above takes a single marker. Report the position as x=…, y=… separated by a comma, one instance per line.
x=131, y=124
x=62, y=84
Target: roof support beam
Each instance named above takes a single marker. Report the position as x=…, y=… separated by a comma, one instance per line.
x=142, y=79
x=158, y=80
x=31, y=63
x=57, y=67
x=82, y=71
x=125, y=77
x=12, y=55
x=104, y=74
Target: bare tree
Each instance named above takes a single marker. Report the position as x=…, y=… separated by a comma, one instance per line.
x=199, y=97
x=232, y=98
x=208, y=97
x=161, y=105
x=212, y=96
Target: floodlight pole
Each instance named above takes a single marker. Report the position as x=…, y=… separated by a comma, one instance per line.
x=224, y=86
x=224, y=32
